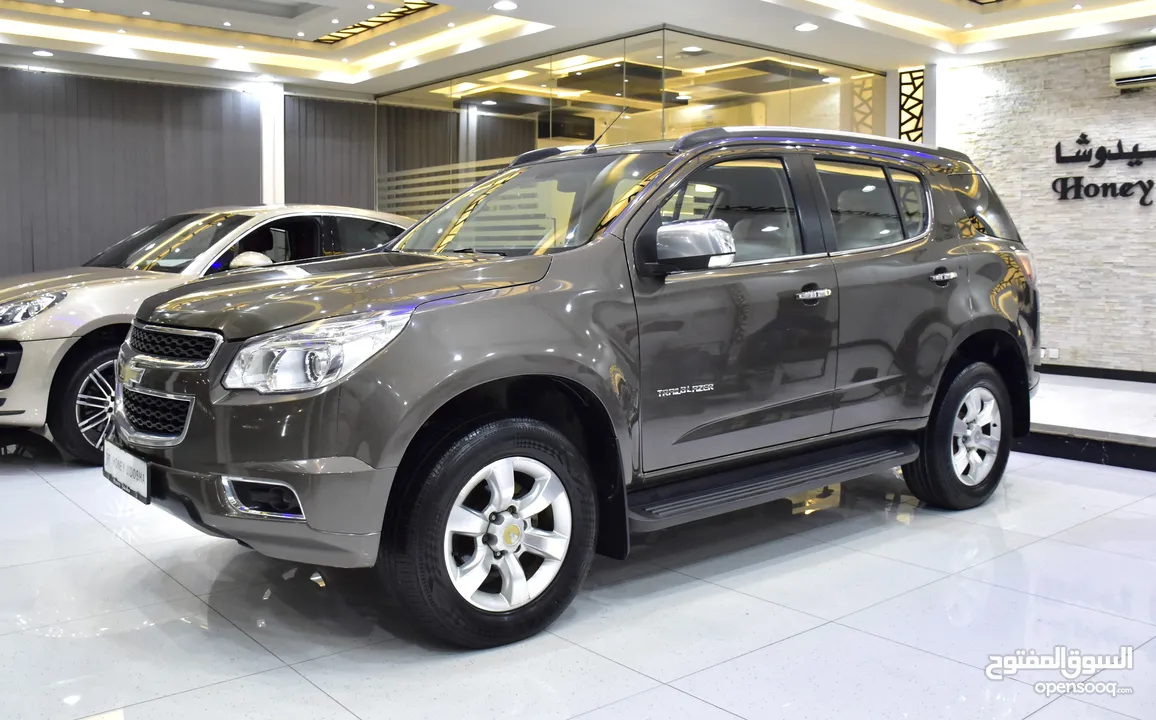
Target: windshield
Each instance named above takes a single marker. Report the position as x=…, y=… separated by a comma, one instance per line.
x=536, y=209
x=169, y=245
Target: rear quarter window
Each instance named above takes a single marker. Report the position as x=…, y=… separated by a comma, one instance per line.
x=983, y=212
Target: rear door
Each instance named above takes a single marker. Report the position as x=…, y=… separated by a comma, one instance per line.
x=902, y=285
x=733, y=359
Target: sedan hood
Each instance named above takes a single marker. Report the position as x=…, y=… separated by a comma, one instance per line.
x=242, y=305
x=12, y=288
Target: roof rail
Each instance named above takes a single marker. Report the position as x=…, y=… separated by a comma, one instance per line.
x=709, y=135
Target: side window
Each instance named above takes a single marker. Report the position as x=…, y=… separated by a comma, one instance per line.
x=752, y=196
x=291, y=239
x=357, y=234
x=861, y=204
x=985, y=212
x=912, y=200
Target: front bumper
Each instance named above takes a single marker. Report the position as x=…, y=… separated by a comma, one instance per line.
x=327, y=488
x=25, y=402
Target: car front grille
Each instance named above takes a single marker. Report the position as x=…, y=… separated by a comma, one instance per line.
x=155, y=415
x=175, y=345
x=10, y=352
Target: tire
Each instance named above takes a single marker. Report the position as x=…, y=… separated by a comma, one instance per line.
x=415, y=558
x=933, y=477
x=76, y=429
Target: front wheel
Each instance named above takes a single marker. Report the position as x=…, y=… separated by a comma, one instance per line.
x=495, y=541
x=81, y=408
x=966, y=442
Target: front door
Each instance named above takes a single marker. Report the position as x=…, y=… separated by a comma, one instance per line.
x=734, y=359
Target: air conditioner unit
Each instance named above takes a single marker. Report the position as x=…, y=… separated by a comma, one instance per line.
x=1134, y=68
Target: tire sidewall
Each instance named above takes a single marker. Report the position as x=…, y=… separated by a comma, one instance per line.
x=504, y=438
x=62, y=415
x=973, y=376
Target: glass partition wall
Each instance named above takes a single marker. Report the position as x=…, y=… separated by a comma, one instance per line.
x=436, y=140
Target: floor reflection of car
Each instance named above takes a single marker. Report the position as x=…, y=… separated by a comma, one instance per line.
x=60, y=330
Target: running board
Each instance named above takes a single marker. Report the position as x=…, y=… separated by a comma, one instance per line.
x=694, y=499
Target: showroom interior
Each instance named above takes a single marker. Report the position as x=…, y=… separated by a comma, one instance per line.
x=287, y=148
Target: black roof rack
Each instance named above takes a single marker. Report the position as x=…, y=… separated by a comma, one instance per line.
x=803, y=135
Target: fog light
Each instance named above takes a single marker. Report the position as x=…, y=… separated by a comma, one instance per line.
x=262, y=498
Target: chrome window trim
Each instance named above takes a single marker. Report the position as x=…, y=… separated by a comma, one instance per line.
x=238, y=508
x=147, y=439
x=152, y=361
x=751, y=263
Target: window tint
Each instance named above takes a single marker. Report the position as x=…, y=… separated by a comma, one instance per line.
x=752, y=196
x=912, y=201
x=861, y=205
x=290, y=239
x=356, y=234
x=984, y=213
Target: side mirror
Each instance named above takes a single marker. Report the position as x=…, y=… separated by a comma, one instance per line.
x=694, y=245
x=250, y=260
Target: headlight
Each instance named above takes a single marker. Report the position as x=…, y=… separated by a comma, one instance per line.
x=312, y=356
x=27, y=307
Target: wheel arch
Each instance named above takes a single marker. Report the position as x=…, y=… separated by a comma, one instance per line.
x=110, y=334
x=564, y=403
x=998, y=345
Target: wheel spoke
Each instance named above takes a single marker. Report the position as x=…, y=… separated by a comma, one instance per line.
x=92, y=421
x=973, y=405
x=959, y=428
x=987, y=443
x=102, y=383
x=987, y=414
x=549, y=545
x=502, y=484
x=976, y=462
x=469, y=577
x=545, y=491
x=91, y=402
x=465, y=521
x=959, y=460
x=515, y=588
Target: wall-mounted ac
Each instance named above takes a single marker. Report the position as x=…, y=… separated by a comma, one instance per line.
x=1134, y=68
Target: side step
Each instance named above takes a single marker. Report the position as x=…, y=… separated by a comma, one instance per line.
x=701, y=497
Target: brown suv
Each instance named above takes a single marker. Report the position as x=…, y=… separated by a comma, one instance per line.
x=585, y=345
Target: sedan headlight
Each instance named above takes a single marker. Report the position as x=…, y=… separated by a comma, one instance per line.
x=312, y=356
x=27, y=307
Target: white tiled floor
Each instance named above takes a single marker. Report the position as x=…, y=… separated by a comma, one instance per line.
x=1091, y=407
x=858, y=603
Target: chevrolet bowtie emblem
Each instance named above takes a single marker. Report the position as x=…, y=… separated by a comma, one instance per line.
x=130, y=374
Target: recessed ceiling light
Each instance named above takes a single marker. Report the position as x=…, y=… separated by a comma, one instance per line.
x=1077, y=7
x=227, y=24
x=393, y=43
x=240, y=47
x=625, y=117
x=370, y=6
x=617, y=64
x=449, y=25
x=658, y=56
x=145, y=12
x=489, y=102
x=578, y=73
x=344, y=59
x=615, y=94
x=41, y=53
x=684, y=96
x=543, y=84
x=969, y=26
x=806, y=27
x=692, y=49
x=121, y=31
x=831, y=80
x=505, y=5
x=300, y=34
x=335, y=21
x=59, y=2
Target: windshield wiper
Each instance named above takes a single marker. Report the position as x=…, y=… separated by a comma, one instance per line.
x=472, y=251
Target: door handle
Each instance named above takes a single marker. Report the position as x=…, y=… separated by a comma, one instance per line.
x=942, y=277
x=813, y=296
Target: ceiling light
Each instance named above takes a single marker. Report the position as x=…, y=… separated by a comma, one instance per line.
x=335, y=21
x=344, y=59
x=505, y=5
x=265, y=78
x=770, y=228
x=449, y=25
x=969, y=26
x=489, y=102
x=868, y=188
x=300, y=34
x=831, y=80
x=240, y=47
x=625, y=117
x=121, y=31
x=806, y=27
x=228, y=24
x=370, y=6
x=41, y=53
x=145, y=12
x=658, y=56
x=1154, y=30
x=1077, y=7
x=692, y=49
x=682, y=97
x=59, y=2
x=617, y=64
x=543, y=84
x=578, y=73
x=615, y=94
x=392, y=43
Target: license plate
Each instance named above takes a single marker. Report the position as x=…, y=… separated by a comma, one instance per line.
x=129, y=473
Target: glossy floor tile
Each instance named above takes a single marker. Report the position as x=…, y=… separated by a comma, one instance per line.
x=855, y=601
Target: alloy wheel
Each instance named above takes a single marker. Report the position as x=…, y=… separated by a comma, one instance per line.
x=507, y=534
x=95, y=401
x=975, y=436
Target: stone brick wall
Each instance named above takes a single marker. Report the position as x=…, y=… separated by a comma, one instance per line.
x=1096, y=257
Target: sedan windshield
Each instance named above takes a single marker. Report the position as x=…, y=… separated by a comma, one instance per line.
x=171, y=244
x=536, y=209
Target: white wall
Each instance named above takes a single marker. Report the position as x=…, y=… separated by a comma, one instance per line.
x=1096, y=257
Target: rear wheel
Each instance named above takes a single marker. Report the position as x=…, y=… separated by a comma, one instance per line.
x=495, y=542
x=81, y=409
x=966, y=443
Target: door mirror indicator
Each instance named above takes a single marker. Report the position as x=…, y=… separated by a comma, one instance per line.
x=250, y=260
x=693, y=245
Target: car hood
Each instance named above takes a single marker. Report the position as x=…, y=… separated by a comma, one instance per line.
x=242, y=305
x=20, y=286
